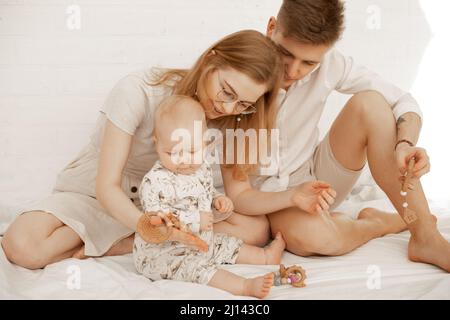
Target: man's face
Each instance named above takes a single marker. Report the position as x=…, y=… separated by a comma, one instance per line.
x=299, y=58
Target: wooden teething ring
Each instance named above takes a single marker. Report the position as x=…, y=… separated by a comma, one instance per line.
x=285, y=273
x=152, y=233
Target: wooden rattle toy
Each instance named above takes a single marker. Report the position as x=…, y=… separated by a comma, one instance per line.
x=293, y=275
x=157, y=228
x=152, y=230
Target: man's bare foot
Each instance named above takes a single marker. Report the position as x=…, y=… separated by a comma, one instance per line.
x=433, y=249
x=258, y=287
x=275, y=249
x=389, y=222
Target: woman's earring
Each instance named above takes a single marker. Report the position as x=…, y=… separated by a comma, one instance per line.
x=238, y=118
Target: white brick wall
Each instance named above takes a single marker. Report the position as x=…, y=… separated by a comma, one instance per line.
x=53, y=78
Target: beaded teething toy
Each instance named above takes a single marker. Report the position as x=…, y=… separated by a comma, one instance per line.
x=408, y=215
x=293, y=275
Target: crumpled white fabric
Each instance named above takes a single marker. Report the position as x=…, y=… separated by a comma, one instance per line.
x=342, y=277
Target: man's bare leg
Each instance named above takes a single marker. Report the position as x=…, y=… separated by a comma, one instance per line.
x=253, y=230
x=366, y=127
x=332, y=234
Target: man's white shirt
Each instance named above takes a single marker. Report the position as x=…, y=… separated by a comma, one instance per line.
x=301, y=106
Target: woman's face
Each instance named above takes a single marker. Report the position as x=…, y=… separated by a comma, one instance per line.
x=221, y=83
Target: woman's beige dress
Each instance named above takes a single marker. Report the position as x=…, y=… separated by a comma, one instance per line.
x=130, y=106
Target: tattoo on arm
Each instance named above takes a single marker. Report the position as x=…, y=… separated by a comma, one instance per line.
x=400, y=121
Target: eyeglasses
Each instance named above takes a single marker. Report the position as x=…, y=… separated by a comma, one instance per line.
x=226, y=96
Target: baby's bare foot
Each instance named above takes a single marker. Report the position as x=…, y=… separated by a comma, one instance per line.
x=275, y=249
x=389, y=222
x=258, y=287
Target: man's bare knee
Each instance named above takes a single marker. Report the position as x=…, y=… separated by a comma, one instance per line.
x=315, y=238
x=368, y=98
x=366, y=102
x=327, y=246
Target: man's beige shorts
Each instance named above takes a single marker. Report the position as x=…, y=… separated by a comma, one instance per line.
x=322, y=165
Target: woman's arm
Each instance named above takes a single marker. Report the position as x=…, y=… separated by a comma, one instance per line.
x=114, y=153
x=250, y=201
x=311, y=196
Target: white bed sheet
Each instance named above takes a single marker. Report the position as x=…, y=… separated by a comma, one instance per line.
x=344, y=277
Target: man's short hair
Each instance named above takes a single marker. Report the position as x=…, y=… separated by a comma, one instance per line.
x=312, y=21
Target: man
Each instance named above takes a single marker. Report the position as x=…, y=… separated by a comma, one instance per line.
x=380, y=123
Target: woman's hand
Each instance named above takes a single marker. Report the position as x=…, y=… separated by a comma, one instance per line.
x=223, y=204
x=313, y=196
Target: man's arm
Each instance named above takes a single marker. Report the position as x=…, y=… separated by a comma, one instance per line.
x=350, y=79
x=408, y=127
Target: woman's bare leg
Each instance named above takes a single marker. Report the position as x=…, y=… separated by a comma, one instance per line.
x=253, y=230
x=258, y=287
x=36, y=239
x=122, y=247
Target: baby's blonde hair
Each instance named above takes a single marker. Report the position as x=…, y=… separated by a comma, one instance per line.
x=179, y=110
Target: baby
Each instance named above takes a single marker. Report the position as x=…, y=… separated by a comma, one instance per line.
x=178, y=185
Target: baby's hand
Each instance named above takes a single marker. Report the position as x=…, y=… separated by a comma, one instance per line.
x=223, y=204
x=206, y=221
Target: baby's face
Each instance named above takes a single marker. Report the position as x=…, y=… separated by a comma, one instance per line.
x=184, y=155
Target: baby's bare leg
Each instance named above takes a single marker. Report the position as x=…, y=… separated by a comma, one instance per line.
x=258, y=287
x=255, y=255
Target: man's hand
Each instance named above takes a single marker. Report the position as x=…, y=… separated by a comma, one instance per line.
x=223, y=204
x=313, y=196
x=206, y=221
x=404, y=153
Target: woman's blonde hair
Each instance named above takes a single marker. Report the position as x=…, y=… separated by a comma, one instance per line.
x=249, y=52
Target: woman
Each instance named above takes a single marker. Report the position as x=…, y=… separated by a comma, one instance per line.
x=94, y=207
